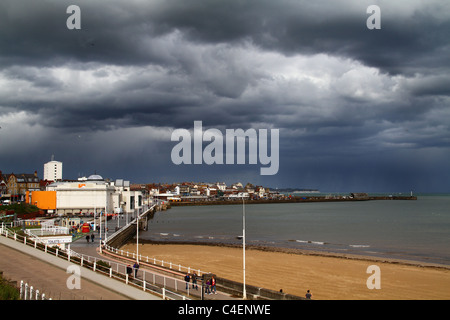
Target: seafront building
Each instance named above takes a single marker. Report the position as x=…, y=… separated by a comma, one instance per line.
x=14, y=186
x=86, y=196
x=53, y=170
x=203, y=191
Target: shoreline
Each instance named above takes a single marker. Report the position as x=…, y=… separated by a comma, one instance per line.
x=305, y=252
x=329, y=276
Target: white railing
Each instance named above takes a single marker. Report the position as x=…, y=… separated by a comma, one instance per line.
x=169, y=288
x=26, y=222
x=47, y=231
x=27, y=292
x=154, y=261
x=5, y=225
x=52, y=229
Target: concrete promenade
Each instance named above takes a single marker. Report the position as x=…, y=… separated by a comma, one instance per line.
x=48, y=274
x=91, y=248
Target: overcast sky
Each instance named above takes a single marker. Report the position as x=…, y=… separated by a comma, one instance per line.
x=357, y=110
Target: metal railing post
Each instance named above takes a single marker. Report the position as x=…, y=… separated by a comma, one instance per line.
x=26, y=292
x=21, y=289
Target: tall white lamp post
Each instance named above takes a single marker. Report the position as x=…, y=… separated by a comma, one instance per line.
x=244, y=292
x=106, y=227
x=137, y=238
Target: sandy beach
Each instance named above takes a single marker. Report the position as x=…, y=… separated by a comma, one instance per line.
x=327, y=277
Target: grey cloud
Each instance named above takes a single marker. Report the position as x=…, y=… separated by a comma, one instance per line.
x=337, y=28
x=124, y=33
x=346, y=99
x=432, y=85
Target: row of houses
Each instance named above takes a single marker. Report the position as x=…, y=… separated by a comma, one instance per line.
x=203, y=191
x=14, y=186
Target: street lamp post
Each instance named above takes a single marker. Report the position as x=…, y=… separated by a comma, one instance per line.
x=100, y=222
x=137, y=238
x=106, y=227
x=244, y=292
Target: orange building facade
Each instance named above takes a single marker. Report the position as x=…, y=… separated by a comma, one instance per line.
x=44, y=200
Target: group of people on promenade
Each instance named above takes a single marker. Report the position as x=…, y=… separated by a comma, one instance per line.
x=90, y=238
x=135, y=268
x=210, y=284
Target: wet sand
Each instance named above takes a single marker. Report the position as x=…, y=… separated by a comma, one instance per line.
x=328, y=277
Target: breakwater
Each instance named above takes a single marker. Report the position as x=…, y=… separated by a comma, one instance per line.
x=290, y=200
x=124, y=234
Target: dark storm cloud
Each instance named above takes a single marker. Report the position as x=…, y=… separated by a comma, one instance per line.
x=345, y=98
x=122, y=32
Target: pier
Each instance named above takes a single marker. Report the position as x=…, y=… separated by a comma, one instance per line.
x=296, y=199
x=124, y=234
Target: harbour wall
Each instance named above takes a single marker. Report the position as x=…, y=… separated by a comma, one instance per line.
x=291, y=200
x=128, y=232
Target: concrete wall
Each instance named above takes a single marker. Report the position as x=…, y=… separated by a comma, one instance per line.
x=253, y=293
x=126, y=233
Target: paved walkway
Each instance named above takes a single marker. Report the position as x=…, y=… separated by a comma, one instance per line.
x=48, y=274
x=91, y=248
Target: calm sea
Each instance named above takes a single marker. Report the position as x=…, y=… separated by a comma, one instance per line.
x=402, y=229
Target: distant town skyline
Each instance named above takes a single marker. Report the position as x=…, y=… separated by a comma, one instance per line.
x=358, y=109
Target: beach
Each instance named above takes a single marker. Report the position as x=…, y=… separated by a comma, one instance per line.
x=328, y=277
x=406, y=230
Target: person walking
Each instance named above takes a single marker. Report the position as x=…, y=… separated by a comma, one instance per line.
x=213, y=285
x=194, y=281
x=92, y=237
x=187, y=278
x=136, y=269
x=207, y=290
x=129, y=270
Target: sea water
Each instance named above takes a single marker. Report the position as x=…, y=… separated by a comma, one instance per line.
x=401, y=229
